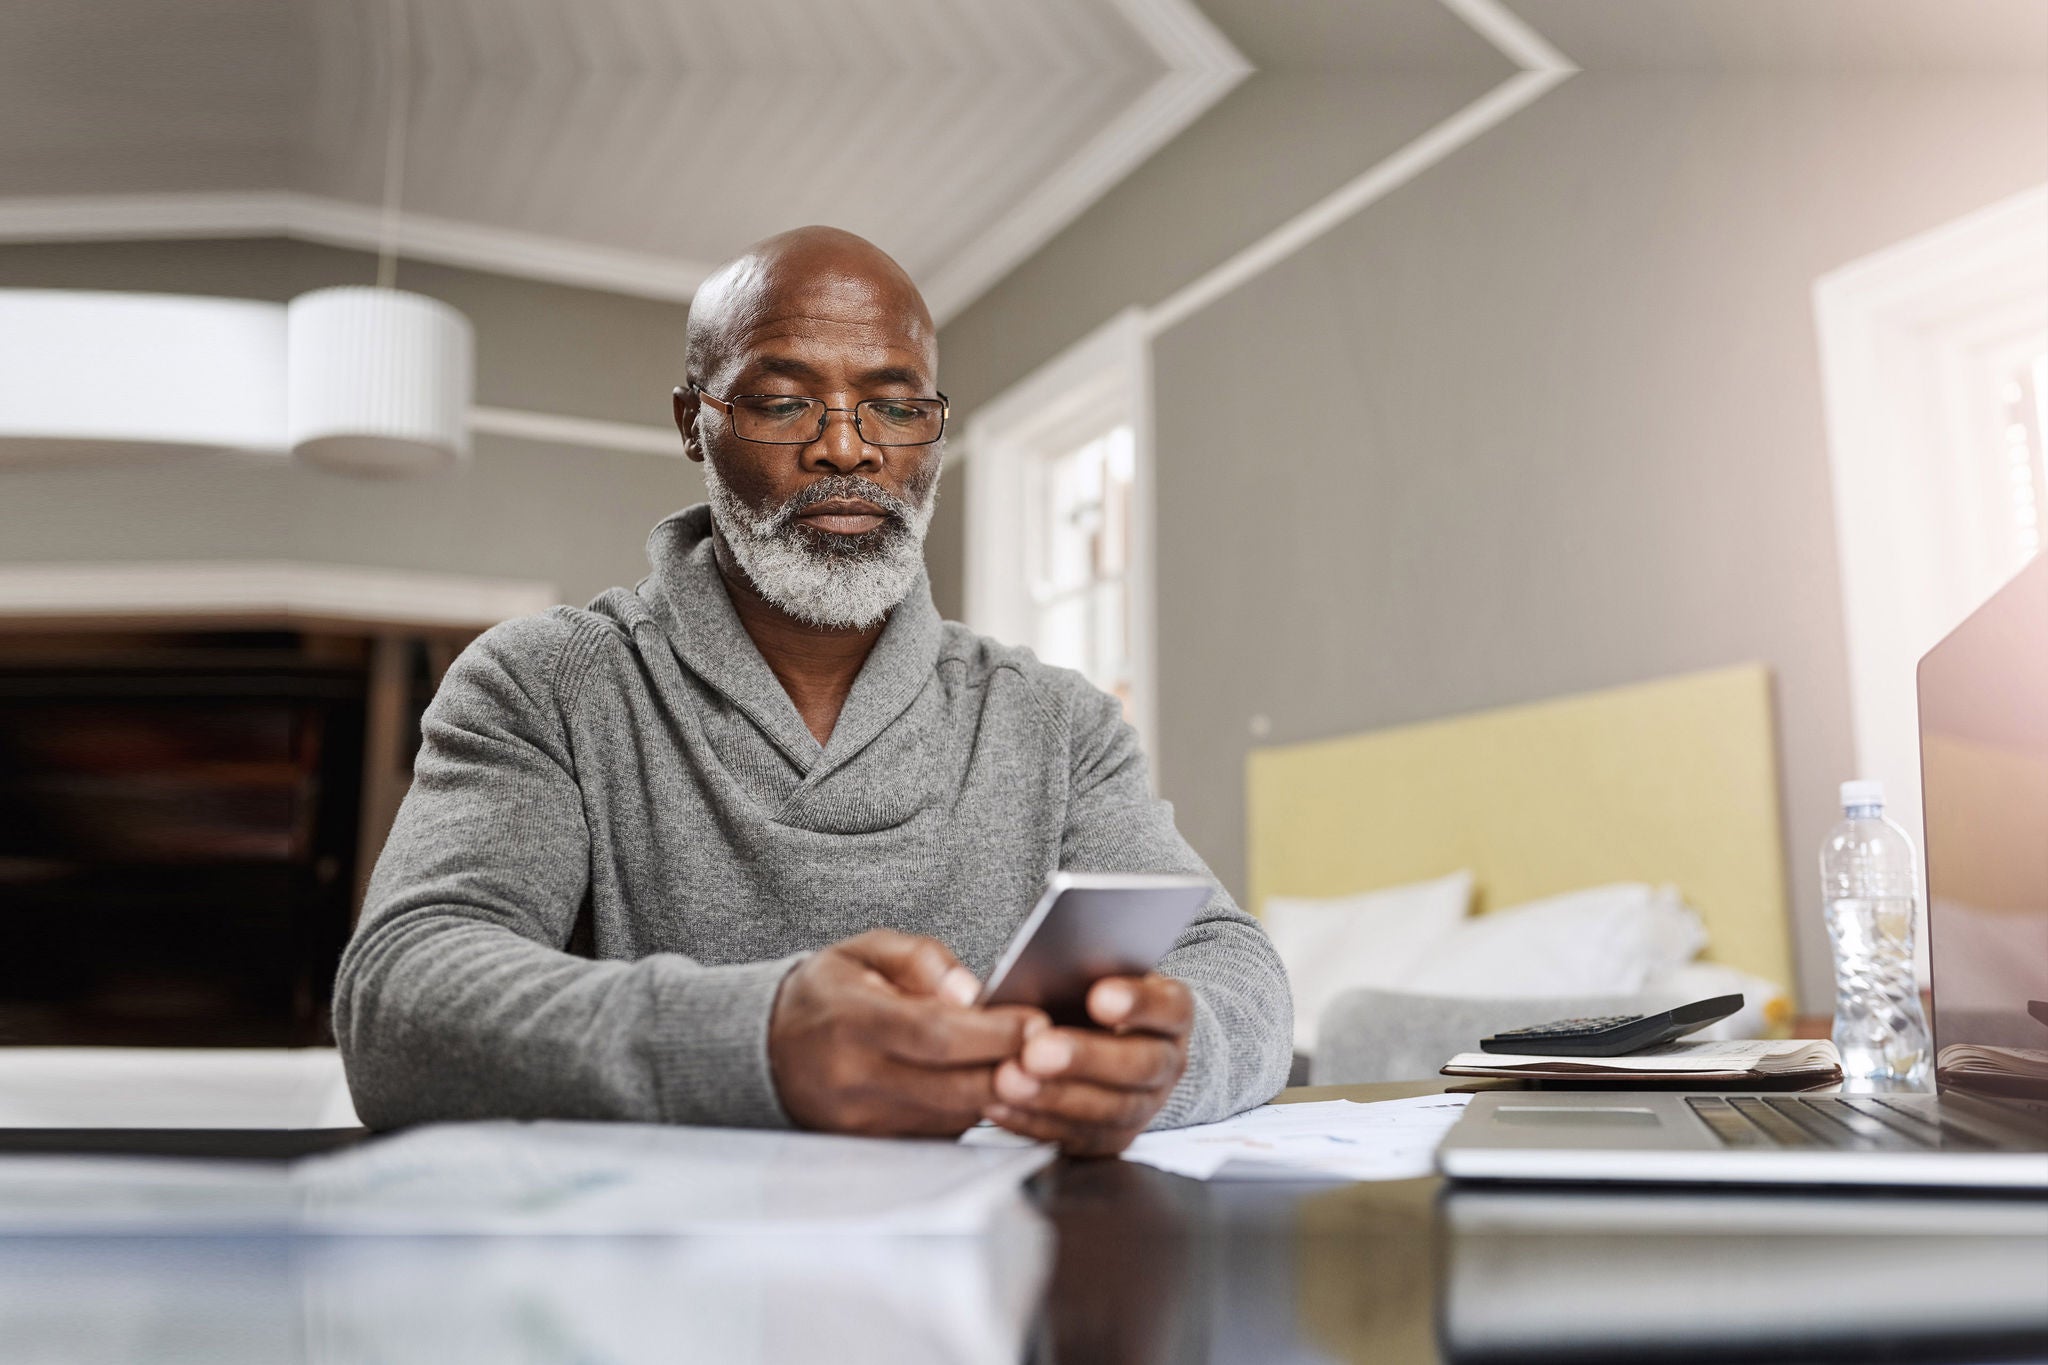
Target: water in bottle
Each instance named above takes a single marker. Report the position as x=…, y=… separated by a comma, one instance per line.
x=1867, y=877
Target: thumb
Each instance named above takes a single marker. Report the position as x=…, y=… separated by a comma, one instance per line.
x=914, y=964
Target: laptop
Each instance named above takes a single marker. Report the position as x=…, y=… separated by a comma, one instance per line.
x=1984, y=763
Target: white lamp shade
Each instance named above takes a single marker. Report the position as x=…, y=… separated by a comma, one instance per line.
x=379, y=381
x=91, y=375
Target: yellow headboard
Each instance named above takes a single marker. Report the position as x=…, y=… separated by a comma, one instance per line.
x=1670, y=781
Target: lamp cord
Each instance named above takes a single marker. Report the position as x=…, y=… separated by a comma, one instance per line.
x=398, y=83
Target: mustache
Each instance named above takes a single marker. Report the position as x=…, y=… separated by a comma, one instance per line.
x=833, y=486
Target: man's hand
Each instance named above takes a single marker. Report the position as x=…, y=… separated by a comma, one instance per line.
x=1092, y=1092
x=879, y=1034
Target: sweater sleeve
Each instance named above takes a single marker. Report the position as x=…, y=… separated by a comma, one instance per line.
x=1242, y=1043
x=454, y=998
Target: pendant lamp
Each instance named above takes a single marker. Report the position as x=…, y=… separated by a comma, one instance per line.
x=378, y=381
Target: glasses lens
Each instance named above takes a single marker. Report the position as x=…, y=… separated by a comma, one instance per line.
x=771, y=417
x=901, y=421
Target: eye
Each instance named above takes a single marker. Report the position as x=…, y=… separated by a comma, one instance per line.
x=898, y=412
x=781, y=409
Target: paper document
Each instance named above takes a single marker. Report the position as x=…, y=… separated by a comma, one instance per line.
x=1326, y=1140
x=1737, y=1055
x=539, y=1178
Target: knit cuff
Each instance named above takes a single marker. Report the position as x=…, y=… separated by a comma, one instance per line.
x=709, y=1048
x=1203, y=1094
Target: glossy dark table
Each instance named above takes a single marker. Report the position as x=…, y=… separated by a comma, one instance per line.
x=1106, y=1262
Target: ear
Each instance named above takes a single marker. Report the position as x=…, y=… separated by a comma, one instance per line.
x=685, y=402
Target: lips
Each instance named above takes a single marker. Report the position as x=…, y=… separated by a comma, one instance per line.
x=843, y=516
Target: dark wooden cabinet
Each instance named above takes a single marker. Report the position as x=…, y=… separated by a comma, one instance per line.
x=187, y=820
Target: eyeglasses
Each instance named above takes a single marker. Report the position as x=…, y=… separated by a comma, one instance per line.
x=782, y=419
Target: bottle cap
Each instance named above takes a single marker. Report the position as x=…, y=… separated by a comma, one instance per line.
x=1862, y=793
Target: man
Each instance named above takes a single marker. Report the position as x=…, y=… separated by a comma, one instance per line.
x=787, y=814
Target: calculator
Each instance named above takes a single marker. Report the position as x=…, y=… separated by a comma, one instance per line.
x=1613, y=1035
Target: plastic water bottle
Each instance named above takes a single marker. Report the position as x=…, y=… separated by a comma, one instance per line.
x=1867, y=876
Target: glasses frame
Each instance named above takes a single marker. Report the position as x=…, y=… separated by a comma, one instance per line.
x=825, y=416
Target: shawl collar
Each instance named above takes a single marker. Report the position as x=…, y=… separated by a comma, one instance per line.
x=687, y=597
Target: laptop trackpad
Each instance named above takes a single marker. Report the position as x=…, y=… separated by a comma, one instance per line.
x=1560, y=1116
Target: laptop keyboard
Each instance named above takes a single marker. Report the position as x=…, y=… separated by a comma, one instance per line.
x=1839, y=1122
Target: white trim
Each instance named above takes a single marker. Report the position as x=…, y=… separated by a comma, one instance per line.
x=576, y=431
x=1908, y=339
x=1543, y=66
x=314, y=218
x=1183, y=36
x=1511, y=35
x=267, y=590
x=1202, y=67
x=1104, y=378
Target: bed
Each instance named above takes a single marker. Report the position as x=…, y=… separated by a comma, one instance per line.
x=1673, y=781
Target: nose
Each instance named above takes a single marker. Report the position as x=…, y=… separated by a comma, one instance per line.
x=839, y=448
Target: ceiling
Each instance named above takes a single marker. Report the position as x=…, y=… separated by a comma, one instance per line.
x=627, y=144
x=1796, y=37
x=630, y=144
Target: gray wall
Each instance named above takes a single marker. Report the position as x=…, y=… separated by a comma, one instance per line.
x=1565, y=429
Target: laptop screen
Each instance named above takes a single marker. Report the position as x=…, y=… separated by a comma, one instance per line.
x=1984, y=776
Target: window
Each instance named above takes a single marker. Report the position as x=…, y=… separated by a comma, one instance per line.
x=1079, y=507
x=1058, y=515
x=1934, y=354
x=2022, y=420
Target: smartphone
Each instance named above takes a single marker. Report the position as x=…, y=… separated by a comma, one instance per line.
x=1089, y=925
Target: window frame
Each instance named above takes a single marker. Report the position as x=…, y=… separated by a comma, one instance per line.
x=1911, y=339
x=1100, y=382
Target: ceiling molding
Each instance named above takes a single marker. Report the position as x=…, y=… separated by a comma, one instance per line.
x=1511, y=35
x=595, y=433
x=1158, y=116
x=269, y=591
x=1541, y=67
x=333, y=222
x=1202, y=66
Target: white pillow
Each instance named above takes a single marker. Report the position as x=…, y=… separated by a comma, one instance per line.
x=1766, y=1008
x=1604, y=940
x=1370, y=939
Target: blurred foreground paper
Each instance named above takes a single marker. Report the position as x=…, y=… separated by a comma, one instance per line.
x=905, y=1300
x=541, y=1178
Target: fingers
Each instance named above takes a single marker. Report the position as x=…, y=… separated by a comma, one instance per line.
x=923, y=1029
x=899, y=1098
x=935, y=1033
x=1145, y=1004
x=1131, y=1061
x=1077, y=1102
x=1088, y=1091
x=914, y=964
x=1074, y=1139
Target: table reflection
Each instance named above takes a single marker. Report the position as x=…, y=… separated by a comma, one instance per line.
x=1674, y=1275
x=1115, y=1264
x=515, y=1301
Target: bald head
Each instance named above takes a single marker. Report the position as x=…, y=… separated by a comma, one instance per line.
x=817, y=282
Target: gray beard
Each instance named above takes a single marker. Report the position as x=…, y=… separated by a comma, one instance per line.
x=818, y=577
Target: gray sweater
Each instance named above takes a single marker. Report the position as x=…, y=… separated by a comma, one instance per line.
x=620, y=836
